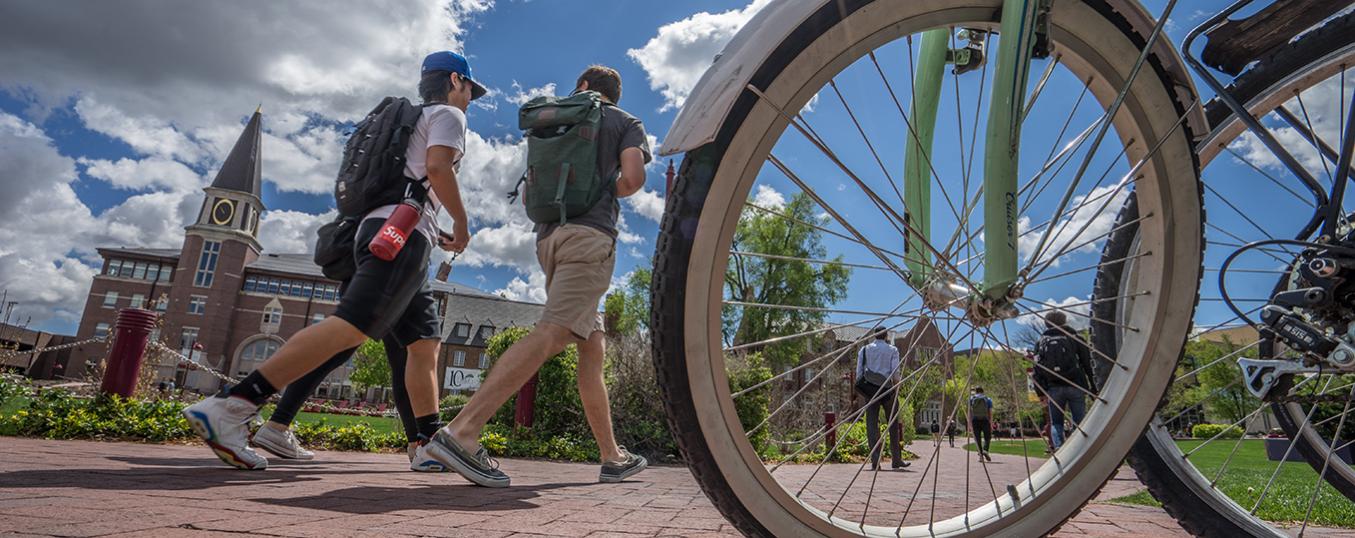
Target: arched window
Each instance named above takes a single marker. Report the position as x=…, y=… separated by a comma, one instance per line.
x=254, y=354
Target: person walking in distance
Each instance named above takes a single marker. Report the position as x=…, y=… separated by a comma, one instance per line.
x=877, y=379
x=1063, y=373
x=576, y=247
x=951, y=429
x=387, y=294
x=981, y=421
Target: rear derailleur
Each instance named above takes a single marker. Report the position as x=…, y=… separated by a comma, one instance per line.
x=1315, y=319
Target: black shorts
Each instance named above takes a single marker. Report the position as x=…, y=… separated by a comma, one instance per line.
x=390, y=297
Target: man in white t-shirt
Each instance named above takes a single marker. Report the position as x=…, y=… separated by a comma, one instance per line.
x=384, y=299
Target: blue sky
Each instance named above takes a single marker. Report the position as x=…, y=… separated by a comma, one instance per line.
x=109, y=128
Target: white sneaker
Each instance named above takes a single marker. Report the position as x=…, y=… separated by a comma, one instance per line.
x=280, y=443
x=424, y=464
x=224, y=424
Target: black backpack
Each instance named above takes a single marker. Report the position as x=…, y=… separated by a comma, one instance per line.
x=372, y=173
x=1058, y=355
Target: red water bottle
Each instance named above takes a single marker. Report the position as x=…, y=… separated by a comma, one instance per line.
x=395, y=231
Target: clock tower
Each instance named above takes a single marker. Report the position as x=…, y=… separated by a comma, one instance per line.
x=216, y=248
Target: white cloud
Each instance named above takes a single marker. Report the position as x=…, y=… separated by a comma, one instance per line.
x=675, y=58
x=623, y=233
x=768, y=197
x=1076, y=308
x=646, y=203
x=1098, y=215
x=291, y=232
x=533, y=289
x=204, y=64
x=1322, y=103
x=521, y=96
x=135, y=174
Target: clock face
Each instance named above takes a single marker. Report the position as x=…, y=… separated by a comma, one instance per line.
x=223, y=212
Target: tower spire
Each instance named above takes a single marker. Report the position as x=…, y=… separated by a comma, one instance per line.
x=241, y=170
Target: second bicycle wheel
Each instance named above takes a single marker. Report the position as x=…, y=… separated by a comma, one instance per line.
x=1229, y=486
x=784, y=239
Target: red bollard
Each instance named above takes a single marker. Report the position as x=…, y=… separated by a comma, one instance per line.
x=830, y=425
x=525, y=408
x=132, y=333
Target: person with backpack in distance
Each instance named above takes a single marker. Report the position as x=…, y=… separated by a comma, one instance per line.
x=398, y=170
x=877, y=379
x=1063, y=374
x=951, y=430
x=583, y=154
x=981, y=422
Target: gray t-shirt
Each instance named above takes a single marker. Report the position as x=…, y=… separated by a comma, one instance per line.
x=620, y=131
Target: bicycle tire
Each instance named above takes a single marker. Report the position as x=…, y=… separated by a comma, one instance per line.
x=674, y=246
x=1199, y=510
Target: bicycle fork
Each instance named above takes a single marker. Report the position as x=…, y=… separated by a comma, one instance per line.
x=1020, y=30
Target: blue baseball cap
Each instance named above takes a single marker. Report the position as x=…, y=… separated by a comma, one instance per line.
x=446, y=60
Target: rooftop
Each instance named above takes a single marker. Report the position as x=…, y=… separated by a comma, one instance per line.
x=485, y=311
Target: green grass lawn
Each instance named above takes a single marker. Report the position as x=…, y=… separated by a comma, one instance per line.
x=1246, y=476
x=1014, y=447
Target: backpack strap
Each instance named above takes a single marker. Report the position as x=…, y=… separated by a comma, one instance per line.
x=560, y=190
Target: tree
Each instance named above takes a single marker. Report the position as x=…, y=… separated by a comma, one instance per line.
x=783, y=280
x=370, y=368
x=1224, y=398
x=627, y=308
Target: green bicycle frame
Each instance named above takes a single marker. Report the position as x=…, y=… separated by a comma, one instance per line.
x=1002, y=146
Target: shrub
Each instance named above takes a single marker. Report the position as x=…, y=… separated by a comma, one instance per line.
x=1208, y=431
x=557, y=410
x=638, y=416
x=450, y=405
x=57, y=414
x=746, y=371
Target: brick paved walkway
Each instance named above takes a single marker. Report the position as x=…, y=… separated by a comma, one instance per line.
x=72, y=488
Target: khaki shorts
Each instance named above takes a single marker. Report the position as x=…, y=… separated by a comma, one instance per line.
x=578, y=262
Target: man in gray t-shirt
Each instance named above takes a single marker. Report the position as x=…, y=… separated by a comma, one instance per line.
x=578, y=258
x=620, y=131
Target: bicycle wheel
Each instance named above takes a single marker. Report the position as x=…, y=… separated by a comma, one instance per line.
x=780, y=194
x=1207, y=496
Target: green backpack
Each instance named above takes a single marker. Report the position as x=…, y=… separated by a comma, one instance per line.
x=562, y=148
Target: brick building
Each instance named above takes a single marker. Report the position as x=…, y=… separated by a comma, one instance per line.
x=231, y=305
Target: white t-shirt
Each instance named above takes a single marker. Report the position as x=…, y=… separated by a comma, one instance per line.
x=439, y=125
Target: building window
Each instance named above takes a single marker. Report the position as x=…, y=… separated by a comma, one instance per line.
x=111, y=299
x=113, y=267
x=126, y=270
x=101, y=330
x=197, y=304
x=254, y=354
x=139, y=271
x=155, y=334
x=207, y=264
x=272, y=316
x=484, y=361
x=463, y=330
x=251, y=282
x=138, y=300
x=458, y=358
x=317, y=318
x=308, y=291
x=187, y=338
x=162, y=304
x=166, y=273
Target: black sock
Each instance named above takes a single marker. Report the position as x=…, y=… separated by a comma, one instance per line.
x=428, y=425
x=253, y=388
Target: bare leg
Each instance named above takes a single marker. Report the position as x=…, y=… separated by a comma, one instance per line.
x=593, y=394
x=308, y=349
x=421, y=377
x=510, y=372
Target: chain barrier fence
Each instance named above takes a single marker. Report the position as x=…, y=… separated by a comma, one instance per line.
x=163, y=349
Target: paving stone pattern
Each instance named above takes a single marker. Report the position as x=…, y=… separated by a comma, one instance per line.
x=81, y=488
